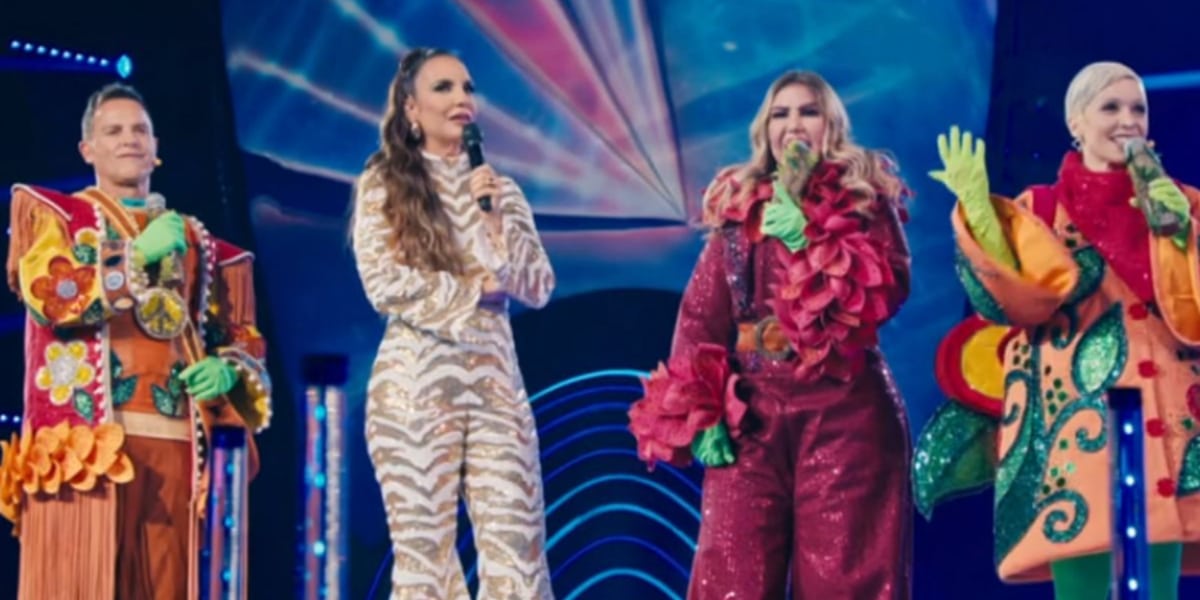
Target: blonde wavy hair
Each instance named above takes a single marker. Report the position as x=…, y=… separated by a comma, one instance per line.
x=869, y=173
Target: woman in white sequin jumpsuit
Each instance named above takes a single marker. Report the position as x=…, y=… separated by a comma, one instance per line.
x=446, y=409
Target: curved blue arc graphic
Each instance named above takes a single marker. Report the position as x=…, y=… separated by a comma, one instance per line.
x=628, y=373
x=617, y=409
x=574, y=462
x=688, y=508
x=610, y=574
x=679, y=568
x=584, y=433
x=629, y=391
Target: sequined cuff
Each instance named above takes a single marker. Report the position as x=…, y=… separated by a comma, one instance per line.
x=252, y=396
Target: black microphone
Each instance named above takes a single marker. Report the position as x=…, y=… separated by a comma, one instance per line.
x=473, y=142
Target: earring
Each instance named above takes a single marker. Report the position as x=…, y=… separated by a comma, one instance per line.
x=1076, y=143
x=416, y=131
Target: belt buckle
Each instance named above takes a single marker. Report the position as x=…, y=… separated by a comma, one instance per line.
x=759, y=330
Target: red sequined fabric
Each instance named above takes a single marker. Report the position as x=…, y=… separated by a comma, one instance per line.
x=839, y=289
x=1098, y=204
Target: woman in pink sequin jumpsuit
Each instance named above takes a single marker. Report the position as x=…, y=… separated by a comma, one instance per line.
x=792, y=292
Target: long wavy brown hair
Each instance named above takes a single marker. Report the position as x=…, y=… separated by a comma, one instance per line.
x=870, y=173
x=421, y=228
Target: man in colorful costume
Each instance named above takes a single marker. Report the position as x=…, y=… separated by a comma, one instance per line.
x=140, y=337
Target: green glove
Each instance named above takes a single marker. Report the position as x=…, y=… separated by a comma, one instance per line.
x=965, y=173
x=209, y=378
x=1165, y=192
x=783, y=219
x=164, y=235
x=713, y=448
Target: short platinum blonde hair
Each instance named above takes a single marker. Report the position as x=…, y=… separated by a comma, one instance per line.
x=1090, y=81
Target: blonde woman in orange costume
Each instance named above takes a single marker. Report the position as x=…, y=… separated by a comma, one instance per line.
x=1097, y=300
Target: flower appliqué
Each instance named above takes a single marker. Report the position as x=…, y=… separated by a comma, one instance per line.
x=64, y=291
x=65, y=371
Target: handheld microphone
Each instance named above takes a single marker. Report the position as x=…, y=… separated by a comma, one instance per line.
x=473, y=142
x=169, y=273
x=796, y=166
x=156, y=204
x=1145, y=166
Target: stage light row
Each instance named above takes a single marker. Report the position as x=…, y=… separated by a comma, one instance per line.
x=123, y=64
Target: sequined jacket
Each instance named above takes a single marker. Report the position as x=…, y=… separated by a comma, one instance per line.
x=1079, y=330
x=431, y=311
x=740, y=273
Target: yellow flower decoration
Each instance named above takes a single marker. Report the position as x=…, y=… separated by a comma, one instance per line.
x=52, y=457
x=10, y=480
x=66, y=370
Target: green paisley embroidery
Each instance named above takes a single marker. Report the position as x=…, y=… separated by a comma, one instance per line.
x=1014, y=412
x=1044, y=411
x=1061, y=526
x=170, y=401
x=981, y=300
x=123, y=390
x=122, y=387
x=1086, y=442
x=111, y=233
x=1019, y=474
x=1100, y=356
x=1061, y=329
x=84, y=253
x=94, y=313
x=174, y=383
x=84, y=404
x=165, y=403
x=1189, y=473
x=1091, y=273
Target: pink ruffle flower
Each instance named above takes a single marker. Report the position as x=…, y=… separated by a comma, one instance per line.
x=688, y=395
x=837, y=289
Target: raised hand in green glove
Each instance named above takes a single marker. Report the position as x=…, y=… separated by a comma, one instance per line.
x=164, y=235
x=1166, y=193
x=783, y=219
x=713, y=448
x=209, y=378
x=964, y=172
